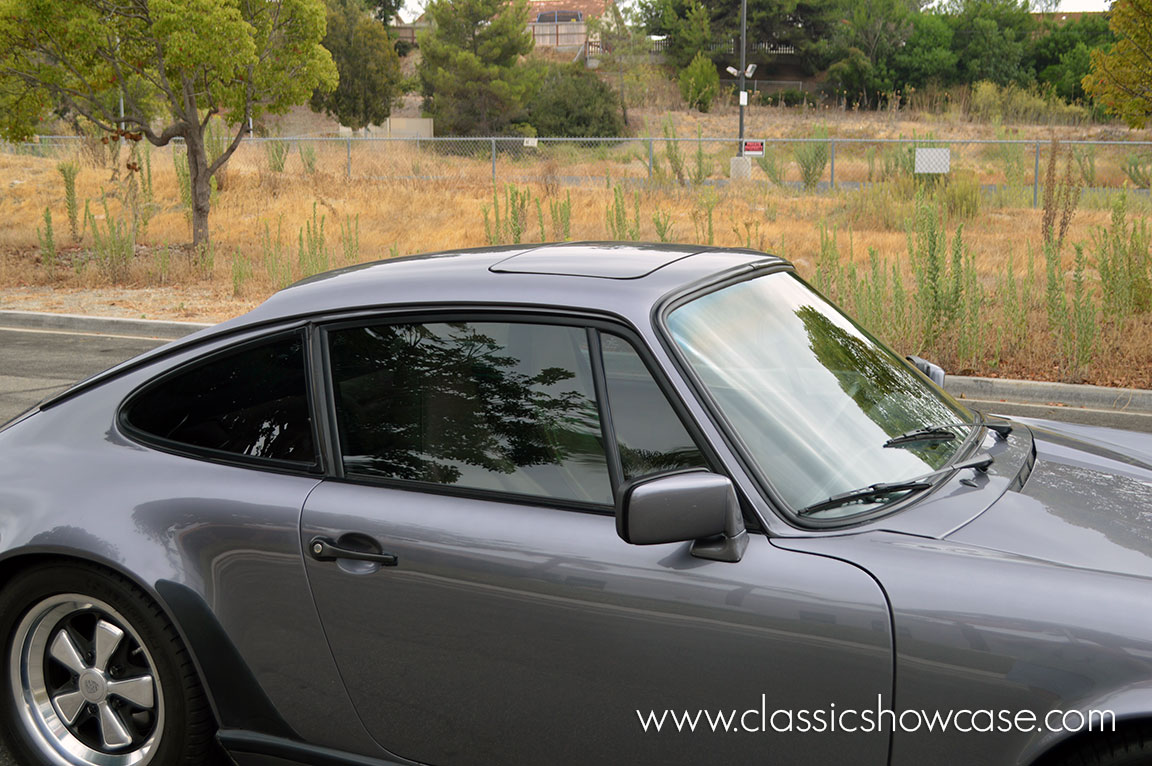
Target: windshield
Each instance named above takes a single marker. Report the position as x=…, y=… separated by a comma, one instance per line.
x=812, y=397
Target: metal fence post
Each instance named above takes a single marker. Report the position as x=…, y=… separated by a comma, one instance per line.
x=493, y=162
x=649, y=159
x=1036, y=177
x=348, y=167
x=832, y=166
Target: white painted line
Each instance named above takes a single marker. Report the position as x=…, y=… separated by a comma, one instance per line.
x=85, y=334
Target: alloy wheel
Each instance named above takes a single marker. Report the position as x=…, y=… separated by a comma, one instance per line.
x=85, y=686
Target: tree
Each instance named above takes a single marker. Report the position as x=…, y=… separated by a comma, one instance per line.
x=1057, y=54
x=623, y=56
x=808, y=26
x=927, y=55
x=990, y=39
x=1121, y=76
x=572, y=101
x=368, y=66
x=469, y=71
x=385, y=10
x=699, y=83
x=690, y=36
x=869, y=36
x=183, y=60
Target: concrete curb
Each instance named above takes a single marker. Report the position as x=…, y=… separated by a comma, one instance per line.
x=1058, y=394
x=1063, y=401
x=146, y=328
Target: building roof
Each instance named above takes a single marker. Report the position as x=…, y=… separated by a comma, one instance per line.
x=592, y=9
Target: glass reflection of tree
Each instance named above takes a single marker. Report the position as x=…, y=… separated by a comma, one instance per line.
x=889, y=394
x=416, y=401
x=642, y=462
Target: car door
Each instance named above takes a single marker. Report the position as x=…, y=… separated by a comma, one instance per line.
x=484, y=609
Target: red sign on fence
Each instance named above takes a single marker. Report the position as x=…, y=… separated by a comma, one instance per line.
x=753, y=148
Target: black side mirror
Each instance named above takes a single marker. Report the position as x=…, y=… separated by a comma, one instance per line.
x=934, y=372
x=677, y=507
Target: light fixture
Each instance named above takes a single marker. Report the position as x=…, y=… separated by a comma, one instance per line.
x=751, y=70
x=733, y=71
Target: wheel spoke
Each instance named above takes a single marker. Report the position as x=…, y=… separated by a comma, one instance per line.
x=68, y=705
x=138, y=691
x=107, y=639
x=112, y=730
x=64, y=651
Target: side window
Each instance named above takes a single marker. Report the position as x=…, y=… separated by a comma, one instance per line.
x=500, y=406
x=252, y=402
x=649, y=433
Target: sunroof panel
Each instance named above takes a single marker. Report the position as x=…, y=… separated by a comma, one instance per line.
x=630, y=260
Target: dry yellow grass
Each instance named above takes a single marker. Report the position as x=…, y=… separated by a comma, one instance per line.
x=410, y=216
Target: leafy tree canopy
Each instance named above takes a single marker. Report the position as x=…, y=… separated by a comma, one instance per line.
x=175, y=62
x=368, y=65
x=570, y=100
x=870, y=35
x=469, y=71
x=990, y=38
x=385, y=10
x=927, y=55
x=1121, y=76
x=1061, y=56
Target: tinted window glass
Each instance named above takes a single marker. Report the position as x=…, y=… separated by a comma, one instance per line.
x=650, y=435
x=252, y=402
x=487, y=405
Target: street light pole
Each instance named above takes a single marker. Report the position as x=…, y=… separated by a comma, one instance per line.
x=743, y=66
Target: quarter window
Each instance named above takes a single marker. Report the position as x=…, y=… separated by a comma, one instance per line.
x=650, y=436
x=498, y=406
x=251, y=403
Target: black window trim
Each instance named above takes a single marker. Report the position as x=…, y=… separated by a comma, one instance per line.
x=575, y=320
x=316, y=468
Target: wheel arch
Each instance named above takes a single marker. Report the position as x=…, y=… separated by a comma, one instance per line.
x=1060, y=751
x=234, y=696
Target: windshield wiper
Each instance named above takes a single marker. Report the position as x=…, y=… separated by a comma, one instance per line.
x=874, y=492
x=943, y=433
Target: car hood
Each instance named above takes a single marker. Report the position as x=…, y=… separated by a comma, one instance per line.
x=1086, y=503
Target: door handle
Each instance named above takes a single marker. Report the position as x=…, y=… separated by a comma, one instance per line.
x=323, y=549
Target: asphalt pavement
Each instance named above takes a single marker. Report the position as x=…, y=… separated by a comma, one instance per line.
x=37, y=363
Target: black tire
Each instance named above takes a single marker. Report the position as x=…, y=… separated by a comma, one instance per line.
x=65, y=689
x=1130, y=746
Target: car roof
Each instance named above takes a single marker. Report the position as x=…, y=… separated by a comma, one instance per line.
x=621, y=279
x=609, y=277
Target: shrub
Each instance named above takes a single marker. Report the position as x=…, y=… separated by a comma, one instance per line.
x=307, y=158
x=812, y=157
x=312, y=248
x=113, y=246
x=788, y=97
x=619, y=226
x=770, y=163
x=508, y=228
x=277, y=153
x=1124, y=260
x=572, y=101
x=991, y=103
x=1136, y=167
x=699, y=83
x=960, y=194
x=68, y=171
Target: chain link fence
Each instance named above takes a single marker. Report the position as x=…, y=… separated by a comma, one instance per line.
x=1012, y=170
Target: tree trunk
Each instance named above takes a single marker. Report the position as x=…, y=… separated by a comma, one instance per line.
x=201, y=189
